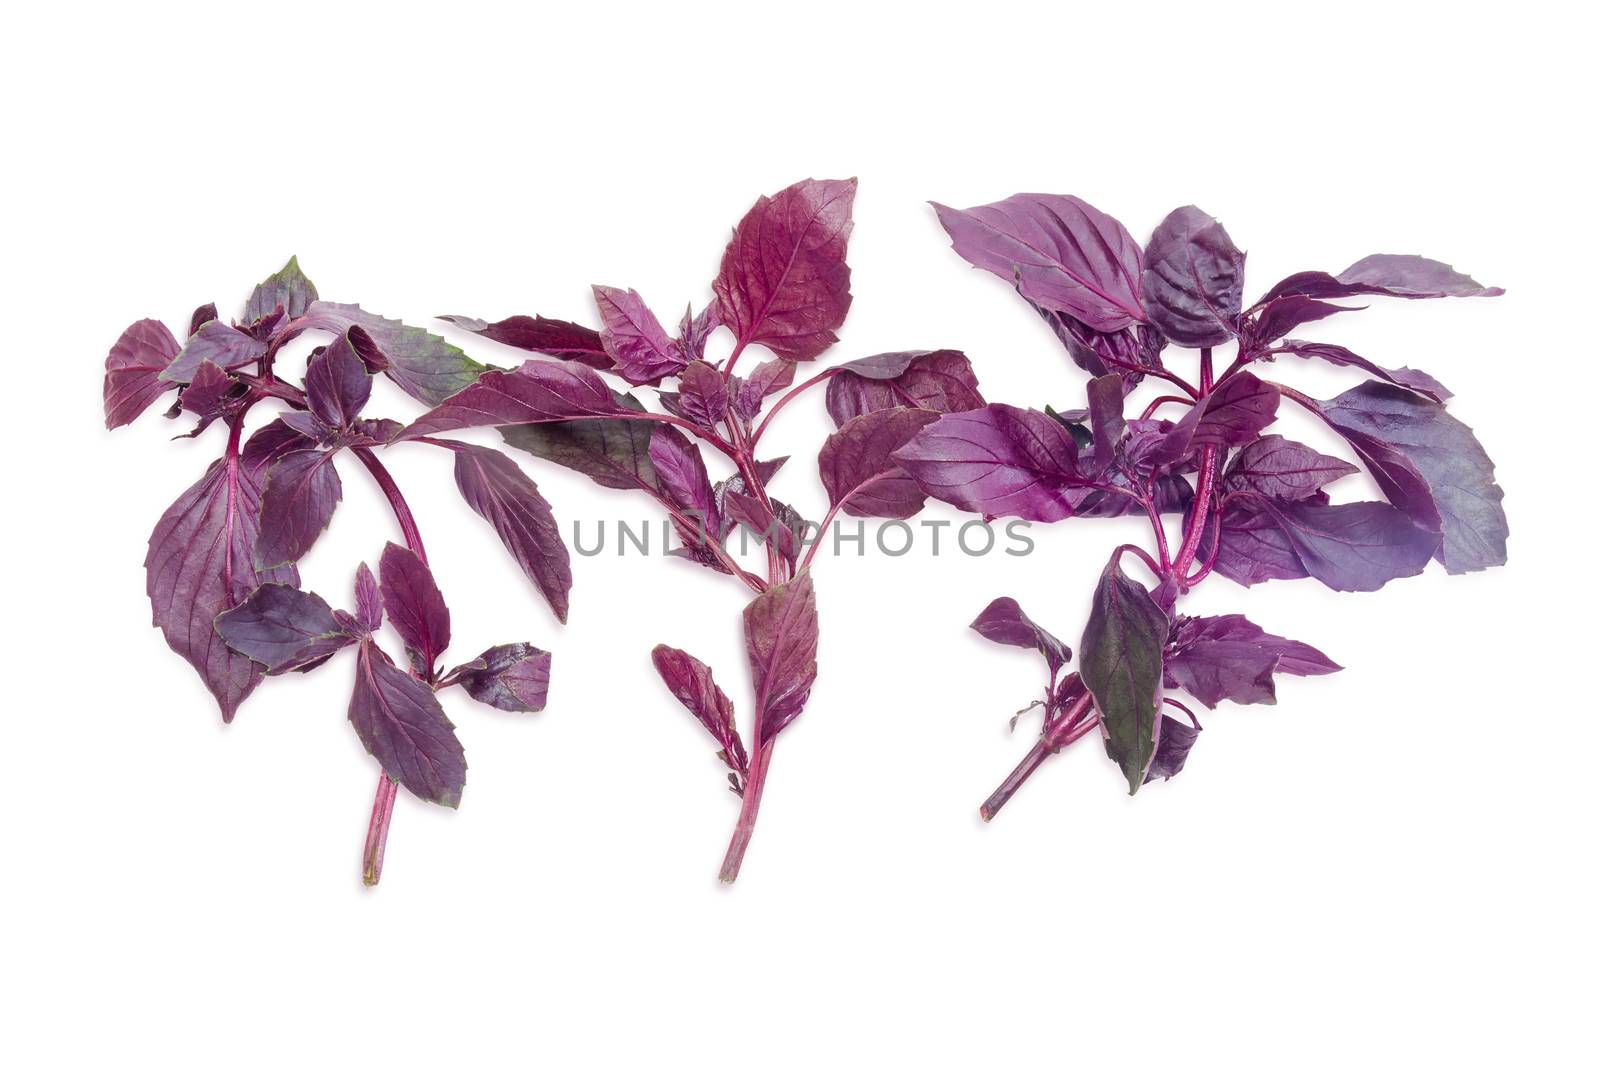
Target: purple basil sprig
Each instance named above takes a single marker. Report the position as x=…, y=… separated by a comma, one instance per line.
x=784, y=285
x=221, y=563
x=1253, y=503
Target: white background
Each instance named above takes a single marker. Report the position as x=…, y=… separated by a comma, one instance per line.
x=1396, y=863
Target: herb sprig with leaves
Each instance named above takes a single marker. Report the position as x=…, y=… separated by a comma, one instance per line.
x=221, y=569
x=784, y=285
x=1253, y=503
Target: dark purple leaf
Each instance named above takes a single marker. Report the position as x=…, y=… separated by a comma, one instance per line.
x=200, y=316
x=1282, y=316
x=301, y=493
x=1250, y=545
x=201, y=562
x=1430, y=466
x=1410, y=277
x=416, y=608
x=1061, y=253
x=283, y=628
x=996, y=460
x=703, y=394
x=859, y=470
x=1004, y=622
x=1228, y=657
x=1276, y=467
x=691, y=682
x=938, y=381
x=337, y=380
x=1172, y=750
x=369, y=599
x=534, y=392
x=535, y=333
x=784, y=283
x=133, y=370
x=1415, y=380
x=509, y=677
x=1121, y=665
x=613, y=452
x=1130, y=352
x=425, y=365
x=218, y=343
x=496, y=489
x=289, y=289
x=634, y=338
x=684, y=481
x=369, y=432
x=780, y=636
x=207, y=395
x=1193, y=282
x=400, y=722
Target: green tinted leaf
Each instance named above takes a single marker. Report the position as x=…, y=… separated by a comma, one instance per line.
x=1122, y=668
x=289, y=287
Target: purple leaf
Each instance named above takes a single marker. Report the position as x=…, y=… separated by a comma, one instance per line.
x=1282, y=316
x=509, y=677
x=1121, y=665
x=200, y=316
x=1228, y=657
x=768, y=378
x=401, y=724
x=858, y=466
x=1062, y=254
x=684, y=481
x=200, y=563
x=1172, y=750
x=780, y=637
x=1004, y=622
x=1239, y=409
x=133, y=370
x=938, y=381
x=784, y=283
x=694, y=330
x=302, y=491
x=781, y=526
x=703, y=394
x=425, y=365
x=496, y=489
x=1105, y=419
x=289, y=289
x=1430, y=466
x=416, y=607
x=996, y=460
x=634, y=338
x=1350, y=547
x=283, y=628
x=207, y=395
x=1415, y=380
x=535, y=333
x=1193, y=282
x=613, y=452
x=691, y=682
x=337, y=381
x=1409, y=277
x=534, y=392
x=1276, y=467
x=369, y=599
x=217, y=343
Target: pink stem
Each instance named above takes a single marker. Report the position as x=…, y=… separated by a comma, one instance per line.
x=383, y=802
x=1072, y=724
x=378, y=830
x=747, y=813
